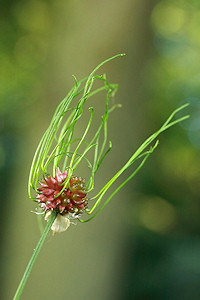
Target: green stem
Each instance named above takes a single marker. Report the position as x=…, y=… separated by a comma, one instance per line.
x=34, y=257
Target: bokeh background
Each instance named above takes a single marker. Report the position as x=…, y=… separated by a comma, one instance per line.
x=145, y=245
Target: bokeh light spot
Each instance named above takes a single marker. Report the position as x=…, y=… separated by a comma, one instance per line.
x=157, y=214
x=30, y=51
x=167, y=19
x=33, y=15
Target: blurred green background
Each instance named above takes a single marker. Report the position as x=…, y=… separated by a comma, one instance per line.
x=145, y=245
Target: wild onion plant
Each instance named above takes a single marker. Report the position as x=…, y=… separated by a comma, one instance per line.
x=61, y=196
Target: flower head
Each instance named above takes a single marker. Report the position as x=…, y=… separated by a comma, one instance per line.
x=71, y=200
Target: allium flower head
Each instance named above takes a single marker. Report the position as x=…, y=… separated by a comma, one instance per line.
x=71, y=200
